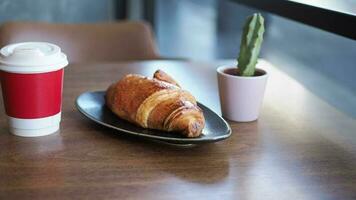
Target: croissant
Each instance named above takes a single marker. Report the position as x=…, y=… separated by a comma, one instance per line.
x=156, y=103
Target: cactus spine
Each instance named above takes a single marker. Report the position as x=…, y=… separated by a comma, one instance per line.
x=251, y=41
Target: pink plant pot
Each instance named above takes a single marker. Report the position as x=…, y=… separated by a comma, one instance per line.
x=241, y=97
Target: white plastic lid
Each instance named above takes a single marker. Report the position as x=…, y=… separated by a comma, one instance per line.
x=32, y=57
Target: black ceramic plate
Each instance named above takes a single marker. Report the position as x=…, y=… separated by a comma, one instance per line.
x=92, y=105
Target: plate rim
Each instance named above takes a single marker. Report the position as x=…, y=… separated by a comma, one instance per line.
x=169, y=139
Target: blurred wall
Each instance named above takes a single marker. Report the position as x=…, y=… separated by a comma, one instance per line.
x=323, y=62
x=186, y=28
x=68, y=11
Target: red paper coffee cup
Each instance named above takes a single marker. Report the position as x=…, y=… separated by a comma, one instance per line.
x=32, y=81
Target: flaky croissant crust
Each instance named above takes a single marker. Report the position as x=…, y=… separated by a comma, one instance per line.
x=156, y=103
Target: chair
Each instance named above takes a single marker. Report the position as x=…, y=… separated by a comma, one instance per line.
x=119, y=41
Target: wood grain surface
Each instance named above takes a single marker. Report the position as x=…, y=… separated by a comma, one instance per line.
x=300, y=148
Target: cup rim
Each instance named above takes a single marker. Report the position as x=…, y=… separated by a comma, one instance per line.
x=220, y=70
x=32, y=58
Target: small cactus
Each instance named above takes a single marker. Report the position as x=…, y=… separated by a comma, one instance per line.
x=251, y=41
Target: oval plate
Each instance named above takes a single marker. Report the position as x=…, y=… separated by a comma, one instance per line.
x=92, y=105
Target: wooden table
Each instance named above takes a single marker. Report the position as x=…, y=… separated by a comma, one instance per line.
x=300, y=148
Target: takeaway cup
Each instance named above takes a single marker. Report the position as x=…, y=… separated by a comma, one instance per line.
x=32, y=81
